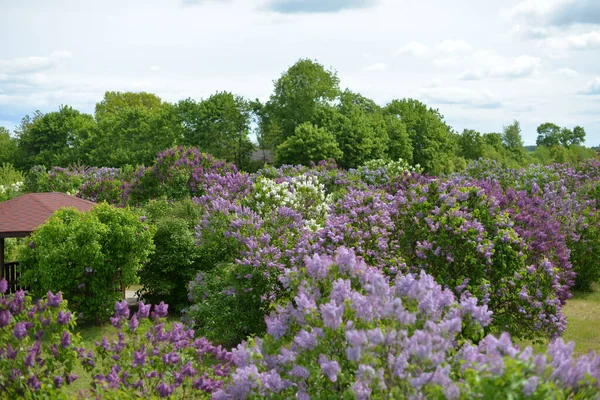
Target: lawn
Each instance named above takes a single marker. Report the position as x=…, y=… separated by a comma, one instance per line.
x=583, y=316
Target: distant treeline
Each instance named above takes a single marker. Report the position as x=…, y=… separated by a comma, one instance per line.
x=307, y=118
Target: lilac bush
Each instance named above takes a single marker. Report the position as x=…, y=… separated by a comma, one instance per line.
x=350, y=332
x=105, y=188
x=461, y=236
x=66, y=180
x=149, y=359
x=177, y=173
x=37, y=349
x=243, y=255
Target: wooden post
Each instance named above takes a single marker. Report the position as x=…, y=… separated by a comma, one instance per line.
x=1, y=258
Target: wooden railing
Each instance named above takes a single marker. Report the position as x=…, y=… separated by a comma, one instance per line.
x=12, y=273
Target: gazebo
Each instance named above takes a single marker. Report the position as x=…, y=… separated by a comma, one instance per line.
x=22, y=215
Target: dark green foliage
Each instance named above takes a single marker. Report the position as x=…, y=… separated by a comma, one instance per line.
x=585, y=252
x=56, y=139
x=176, y=259
x=8, y=147
x=87, y=256
x=225, y=310
x=400, y=144
x=513, y=142
x=471, y=144
x=297, y=96
x=309, y=143
x=428, y=133
x=133, y=127
x=550, y=135
x=218, y=125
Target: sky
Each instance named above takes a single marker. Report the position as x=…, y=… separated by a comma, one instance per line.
x=483, y=64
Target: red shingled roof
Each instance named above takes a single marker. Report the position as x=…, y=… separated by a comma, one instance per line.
x=22, y=215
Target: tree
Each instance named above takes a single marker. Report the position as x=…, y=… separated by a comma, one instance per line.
x=133, y=128
x=359, y=128
x=429, y=134
x=8, y=147
x=471, y=144
x=55, y=139
x=399, y=145
x=513, y=142
x=218, y=125
x=114, y=103
x=297, y=95
x=309, y=143
x=549, y=135
x=569, y=137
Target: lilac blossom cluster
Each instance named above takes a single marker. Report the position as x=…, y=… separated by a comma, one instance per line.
x=69, y=180
x=149, y=358
x=349, y=331
x=37, y=349
x=177, y=173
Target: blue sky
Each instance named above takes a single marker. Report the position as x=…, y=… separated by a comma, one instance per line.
x=482, y=63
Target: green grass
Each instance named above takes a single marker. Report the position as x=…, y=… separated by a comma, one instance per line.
x=583, y=317
x=89, y=335
x=583, y=323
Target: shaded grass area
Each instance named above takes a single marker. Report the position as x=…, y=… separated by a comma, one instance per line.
x=90, y=334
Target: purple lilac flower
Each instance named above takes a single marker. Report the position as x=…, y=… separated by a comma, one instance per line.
x=65, y=340
x=143, y=310
x=160, y=311
x=5, y=318
x=20, y=330
x=63, y=317
x=164, y=390
x=530, y=386
x=54, y=300
x=330, y=368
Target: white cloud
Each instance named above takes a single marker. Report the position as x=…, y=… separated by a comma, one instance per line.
x=450, y=61
x=154, y=68
x=560, y=45
x=529, y=32
x=379, y=66
x=592, y=87
x=557, y=12
x=459, y=95
x=529, y=8
x=415, y=49
x=317, y=6
x=454, y=46
x=32, y=64
x=448, y=46
x=566, y=72
x=494, y=66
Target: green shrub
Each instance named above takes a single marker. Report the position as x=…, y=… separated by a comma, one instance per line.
x=227, y=304
x=176, y=260
x=585, y=252
x=87, y=256
x=11, y=182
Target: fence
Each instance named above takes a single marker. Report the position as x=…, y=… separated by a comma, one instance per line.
x=12, y=273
